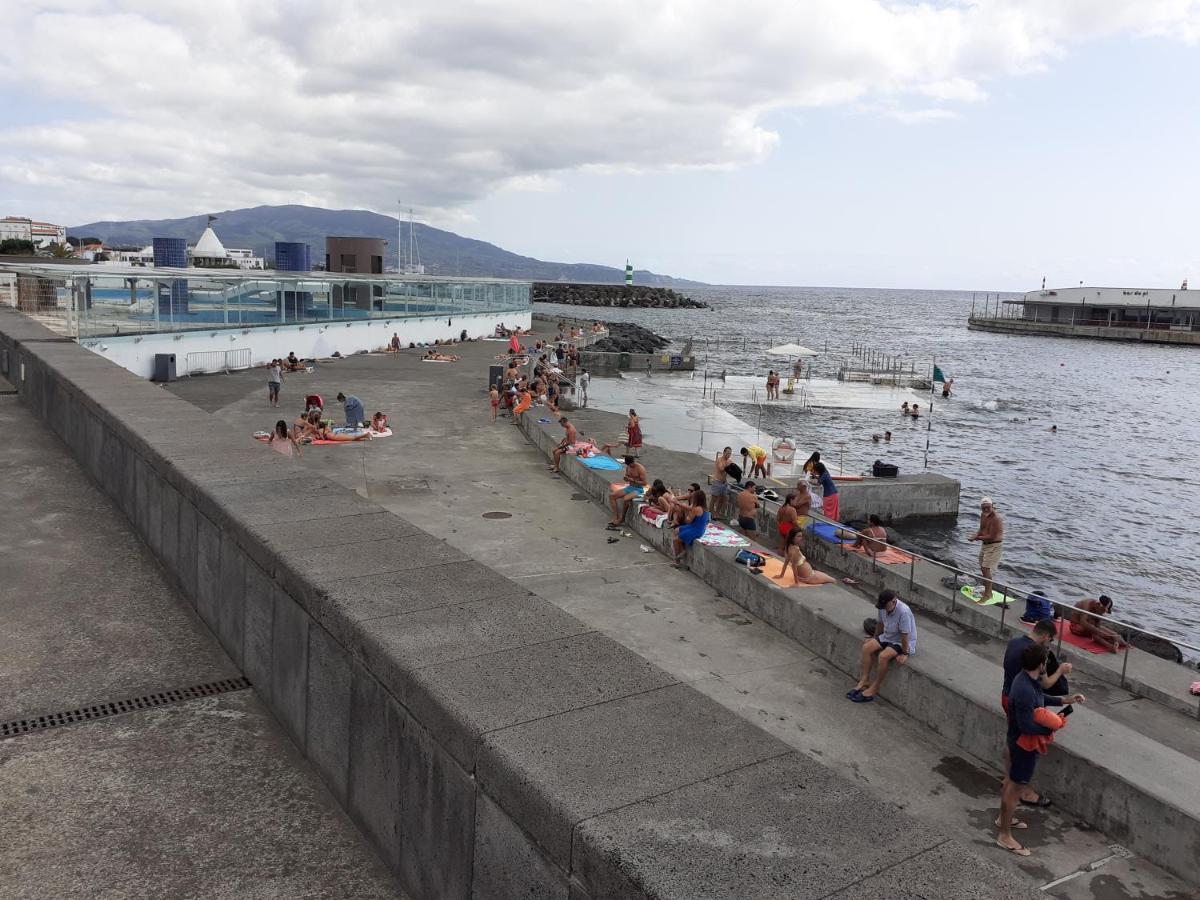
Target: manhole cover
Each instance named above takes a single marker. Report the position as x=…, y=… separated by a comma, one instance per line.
x=579, y=496
x=497, y=515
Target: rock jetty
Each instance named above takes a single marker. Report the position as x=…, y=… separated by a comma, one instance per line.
x=612, y=295
x=625, y=337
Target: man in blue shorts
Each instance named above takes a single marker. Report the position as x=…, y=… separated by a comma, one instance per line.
x=634, y=484
x=1030, y=727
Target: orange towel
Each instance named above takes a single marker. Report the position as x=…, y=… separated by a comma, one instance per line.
x=889, y=557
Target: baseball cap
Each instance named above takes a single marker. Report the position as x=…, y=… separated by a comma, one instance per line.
x=986, y=501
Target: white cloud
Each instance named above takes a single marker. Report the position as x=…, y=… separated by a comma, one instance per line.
x=184, y=106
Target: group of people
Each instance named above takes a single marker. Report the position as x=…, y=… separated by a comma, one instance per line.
x=542, y=386
x=772, y=385
x=913, y=410
x=687, y=511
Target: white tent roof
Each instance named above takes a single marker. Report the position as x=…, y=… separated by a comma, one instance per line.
x=791, y=350
x=209, y=245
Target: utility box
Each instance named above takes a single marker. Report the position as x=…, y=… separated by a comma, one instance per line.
x=496, y=377
x=164, y=367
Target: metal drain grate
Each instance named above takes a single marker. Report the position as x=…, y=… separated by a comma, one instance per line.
x=497, y=515
x=117, y=707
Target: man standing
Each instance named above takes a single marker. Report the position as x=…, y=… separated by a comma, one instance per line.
x=720, y=483
x=582, y=382
x=1043, y=633
x=634, y=484
x=565, y=444
x=354, y=410
x=895, y=639
x=991, y=534
x=1031, y=730
x=274, y=381
x=747, y=510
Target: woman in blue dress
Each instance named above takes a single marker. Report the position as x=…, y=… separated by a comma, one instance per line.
x=695, y=521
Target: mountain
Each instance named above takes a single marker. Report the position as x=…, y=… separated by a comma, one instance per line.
x=442, y=252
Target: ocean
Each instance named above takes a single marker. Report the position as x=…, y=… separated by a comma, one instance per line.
x=1107, y=504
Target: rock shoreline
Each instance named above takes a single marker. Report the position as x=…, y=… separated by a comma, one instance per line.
x=625, y=337
x=619, y=295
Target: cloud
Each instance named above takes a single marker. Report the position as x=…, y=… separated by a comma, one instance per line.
x=184, y=106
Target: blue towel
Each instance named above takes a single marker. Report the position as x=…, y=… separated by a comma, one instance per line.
x=827, y=532
x=604, y=463
x=543, y=421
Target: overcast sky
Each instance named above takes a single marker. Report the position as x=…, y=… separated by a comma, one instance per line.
x=978, y=144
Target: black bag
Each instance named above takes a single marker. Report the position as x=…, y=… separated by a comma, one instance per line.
x=1060, y=688
x=734, y=471
x=884, y=470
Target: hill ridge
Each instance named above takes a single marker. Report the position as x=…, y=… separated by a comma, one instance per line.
x=442, y=252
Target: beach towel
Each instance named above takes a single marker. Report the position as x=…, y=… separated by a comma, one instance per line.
x=786, y=581
x=602, y=463
x=974, y=593
x=720, y=536
x=423, y=359
x=1075, y=640
x=386, y=432
x=889, y=557
x=827, y=532
x=653, y=516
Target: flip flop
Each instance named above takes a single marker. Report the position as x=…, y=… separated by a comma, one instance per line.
x=862, y=698
x=1040, y=803
x=1016, y=851
x=850, y=695
x=611, y=527
x=1019, y=826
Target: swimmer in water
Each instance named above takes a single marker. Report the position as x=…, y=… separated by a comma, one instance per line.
x=904, y=408
x=1054, y=428
x=887, y=437
x=875, y=438
x=915, y=411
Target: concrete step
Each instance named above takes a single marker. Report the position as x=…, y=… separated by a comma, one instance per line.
x=1138, y=790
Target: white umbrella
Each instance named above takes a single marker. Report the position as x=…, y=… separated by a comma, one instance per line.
x=792, y=350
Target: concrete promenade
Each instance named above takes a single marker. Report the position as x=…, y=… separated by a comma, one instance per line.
x=201, y=798
x=447, y=467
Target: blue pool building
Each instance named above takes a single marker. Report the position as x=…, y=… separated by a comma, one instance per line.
x=219, y=319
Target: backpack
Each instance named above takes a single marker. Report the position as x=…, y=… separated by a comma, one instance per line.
x=749, y=559
x=1037, y=607
x=734, y=471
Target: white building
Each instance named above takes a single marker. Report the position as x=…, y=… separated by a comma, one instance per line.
x=43, y=234
x=210, y=253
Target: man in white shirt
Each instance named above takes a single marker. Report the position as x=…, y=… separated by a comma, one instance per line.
x=582, y=382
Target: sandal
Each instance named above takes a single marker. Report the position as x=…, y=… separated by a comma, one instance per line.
x=1017, y=850
x=1040, y=803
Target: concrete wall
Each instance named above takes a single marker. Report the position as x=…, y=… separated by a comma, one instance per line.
x=487, y=743
x=1140, y=792
x=311, y=340
x=600, y=363
x=893, y=499
x=1102, y=332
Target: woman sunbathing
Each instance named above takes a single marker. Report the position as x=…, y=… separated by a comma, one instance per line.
x=325, y=433
x=379, y=422
x=440, y=357
x=304, y=429
x=799, y=564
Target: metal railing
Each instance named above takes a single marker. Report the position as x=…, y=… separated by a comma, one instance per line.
x=1064, y=609
x=203, y=361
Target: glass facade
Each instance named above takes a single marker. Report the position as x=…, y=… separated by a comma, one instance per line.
x=292, y=256
x=90, y=302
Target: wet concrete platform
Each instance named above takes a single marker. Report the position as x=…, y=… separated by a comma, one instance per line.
x=201, y=798
x=448, y=467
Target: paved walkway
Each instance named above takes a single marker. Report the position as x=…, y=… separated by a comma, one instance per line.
x=201, y=798
x=447, y=467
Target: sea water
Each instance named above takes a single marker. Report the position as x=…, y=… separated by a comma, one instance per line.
x=1109, y=503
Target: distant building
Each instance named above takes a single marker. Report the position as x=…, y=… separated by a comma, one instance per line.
x=355, y=256
x=42, y=234
x=210, y=253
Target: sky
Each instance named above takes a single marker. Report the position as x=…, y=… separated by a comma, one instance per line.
x=971, y=144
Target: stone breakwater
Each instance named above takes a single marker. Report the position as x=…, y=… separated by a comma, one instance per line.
x=612, y=295
x=624, y=337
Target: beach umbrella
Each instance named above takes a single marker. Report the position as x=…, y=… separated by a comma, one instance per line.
x=791, y=350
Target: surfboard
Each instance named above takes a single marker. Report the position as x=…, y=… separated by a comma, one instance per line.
x=974, y=593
